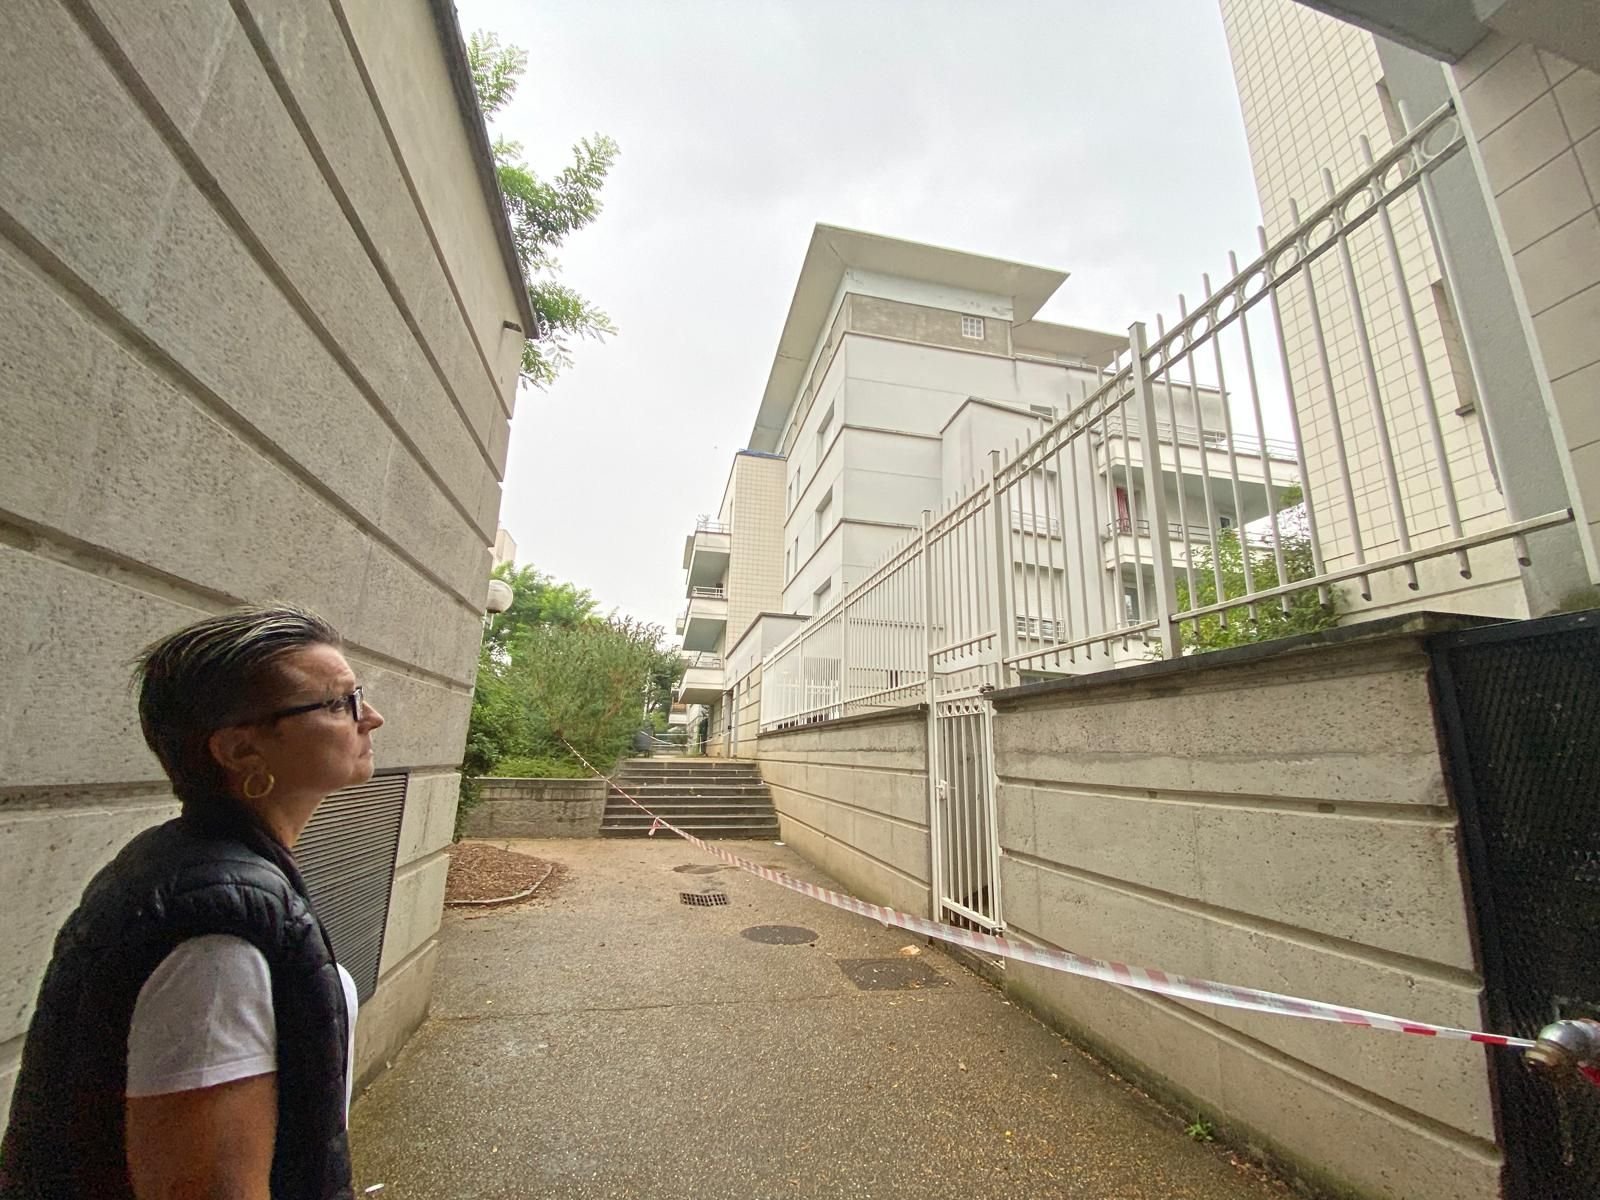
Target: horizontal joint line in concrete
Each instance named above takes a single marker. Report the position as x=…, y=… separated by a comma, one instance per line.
x=1356, y=810
x=412, y=865
x=139, y=344
x=857, y=850
x=874, y=769
x=428, y=944
x=56, y=797
x=354, y=51
x=1395, y=960
x=1426, y=1126
x=314, y=147
x=93, y=559
x=871, y=812
x=211, y=188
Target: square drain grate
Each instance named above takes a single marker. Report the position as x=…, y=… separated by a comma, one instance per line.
x=703, y=899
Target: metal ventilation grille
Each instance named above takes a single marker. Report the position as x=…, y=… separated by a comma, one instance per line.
x=346, y=855
x=703, y=899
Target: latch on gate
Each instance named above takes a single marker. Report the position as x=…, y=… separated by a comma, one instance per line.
x=1565, y=1053
x=1567, y=1049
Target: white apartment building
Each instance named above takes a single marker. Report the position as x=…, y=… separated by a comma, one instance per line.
x=505, y=548
x=900, y=367
x=1508, y=333
x=731, y=570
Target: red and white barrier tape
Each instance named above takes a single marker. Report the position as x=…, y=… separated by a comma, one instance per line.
x=1147, y=979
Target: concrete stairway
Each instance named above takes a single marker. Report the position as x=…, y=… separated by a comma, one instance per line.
x=708, y=797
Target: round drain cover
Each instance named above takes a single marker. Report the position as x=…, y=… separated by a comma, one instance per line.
x=780, y=935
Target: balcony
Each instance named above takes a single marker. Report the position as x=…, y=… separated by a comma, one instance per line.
x=702, y=679
x=705, y=553
x=1134, y=534
x=706, y=620
x=1111, y=455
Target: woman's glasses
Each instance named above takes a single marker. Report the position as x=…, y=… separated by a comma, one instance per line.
x=351, y=703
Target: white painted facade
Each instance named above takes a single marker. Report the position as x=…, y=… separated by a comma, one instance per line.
x=900, y=369
x=911, y=382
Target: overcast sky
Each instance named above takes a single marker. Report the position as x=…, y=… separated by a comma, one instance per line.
x=1103, y=139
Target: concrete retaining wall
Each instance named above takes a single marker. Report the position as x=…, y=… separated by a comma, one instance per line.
x=852, y=796
x=252, y=347
x=1282, y=824
x=537, y=808
x=1278, y=820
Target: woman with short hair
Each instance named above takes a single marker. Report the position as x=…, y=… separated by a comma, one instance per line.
x=194, y=1035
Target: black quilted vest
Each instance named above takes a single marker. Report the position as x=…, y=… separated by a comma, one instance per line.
x=195, y=875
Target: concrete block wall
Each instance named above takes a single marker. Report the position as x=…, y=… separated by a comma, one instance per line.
x=852, y=796
x=537, y=808
x=1282, y=824
x=253, y=346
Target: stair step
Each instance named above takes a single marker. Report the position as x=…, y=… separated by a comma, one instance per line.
x=619, y=821
x=687, y=777
x=692, y=820
x=745, y=832
x=707, y=784
x=687, y=813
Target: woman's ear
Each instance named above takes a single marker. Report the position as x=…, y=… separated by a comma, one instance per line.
x=235, y=749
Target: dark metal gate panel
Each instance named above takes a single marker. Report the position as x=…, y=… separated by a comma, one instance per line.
x=346, y=855
x=1521, y=708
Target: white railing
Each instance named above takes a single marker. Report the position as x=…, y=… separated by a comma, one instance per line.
x=700, y=660
x=1012, y=581
x=707, y=525
x=708, y=593
x=1243, y=444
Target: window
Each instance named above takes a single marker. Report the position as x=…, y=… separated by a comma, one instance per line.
x=819, y=598
x=1455, y=350
x=822, y=432
x=972, y=327
x=1043, y=410
x=1224, y=521
x=796, y=551
x=1391, y=113
x=1037, y=627
x=824, y=517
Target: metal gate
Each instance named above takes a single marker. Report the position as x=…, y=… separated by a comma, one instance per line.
x=966, y=846
x=1521, y=709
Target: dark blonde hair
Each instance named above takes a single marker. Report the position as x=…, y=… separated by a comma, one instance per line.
x=212, y=674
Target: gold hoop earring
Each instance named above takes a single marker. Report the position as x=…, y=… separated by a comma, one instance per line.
x=272, y=782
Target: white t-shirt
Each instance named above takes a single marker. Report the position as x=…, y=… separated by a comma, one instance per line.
x=205, y=1017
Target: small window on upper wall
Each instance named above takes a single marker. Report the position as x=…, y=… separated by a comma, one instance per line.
x=972, y=327
x=823, y=430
